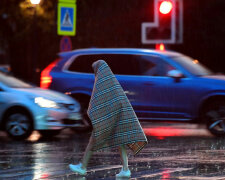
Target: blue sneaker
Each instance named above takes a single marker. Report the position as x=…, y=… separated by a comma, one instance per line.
x=124, y=174
x=78, y=169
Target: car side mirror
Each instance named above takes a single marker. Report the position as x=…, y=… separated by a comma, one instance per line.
x=176, y=74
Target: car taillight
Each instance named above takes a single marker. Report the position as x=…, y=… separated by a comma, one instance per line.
x=46, y=79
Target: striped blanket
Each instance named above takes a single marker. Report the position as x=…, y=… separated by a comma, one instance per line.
x=113, y=118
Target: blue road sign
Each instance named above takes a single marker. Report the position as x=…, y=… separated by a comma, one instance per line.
x=66, y=19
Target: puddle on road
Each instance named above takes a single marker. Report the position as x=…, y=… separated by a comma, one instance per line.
x=169, y=155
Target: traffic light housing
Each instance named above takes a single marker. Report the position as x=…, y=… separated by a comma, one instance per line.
x=167, y=27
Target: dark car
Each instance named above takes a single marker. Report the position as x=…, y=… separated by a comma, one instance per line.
x=5, y=68
x=161, y=85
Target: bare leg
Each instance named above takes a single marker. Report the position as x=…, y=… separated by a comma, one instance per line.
x=87, y=153
x=81, y=168
x=125, y=172
x=123, y=156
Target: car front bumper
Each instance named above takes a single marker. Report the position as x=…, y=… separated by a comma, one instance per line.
x=55, y=119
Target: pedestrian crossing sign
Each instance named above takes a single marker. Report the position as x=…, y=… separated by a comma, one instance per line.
x=66, y=19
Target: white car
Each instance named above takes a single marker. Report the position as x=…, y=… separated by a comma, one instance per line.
x=24, y=108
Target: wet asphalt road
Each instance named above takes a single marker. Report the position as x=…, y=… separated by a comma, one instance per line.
x=175, y=151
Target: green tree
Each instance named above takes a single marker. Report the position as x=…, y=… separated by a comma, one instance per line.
x=17, y=33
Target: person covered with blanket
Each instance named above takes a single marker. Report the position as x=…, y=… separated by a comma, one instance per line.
x=114, y=121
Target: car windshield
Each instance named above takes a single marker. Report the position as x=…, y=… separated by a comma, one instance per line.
x=192, y=65
x=13, y=82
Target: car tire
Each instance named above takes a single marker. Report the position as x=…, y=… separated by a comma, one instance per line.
x=18, y=125
x=86, y=125
x=214, y=116
x=49, y=133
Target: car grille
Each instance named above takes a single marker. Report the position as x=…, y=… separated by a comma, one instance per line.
x=69, y=107
x=68, y=121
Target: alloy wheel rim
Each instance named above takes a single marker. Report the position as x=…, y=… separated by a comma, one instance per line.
x=17, y=124
x=217, y=120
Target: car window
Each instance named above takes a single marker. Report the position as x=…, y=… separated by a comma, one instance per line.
x=119, y=63
x=148, y=67
x=124, y=64
x=164, y=68
x=193, y=66
x=83, y=63
x=154, y=66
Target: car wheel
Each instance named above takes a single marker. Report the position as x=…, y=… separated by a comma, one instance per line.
x=49, y=133
x=86, y=125
x=18, y=125
x=214, y=115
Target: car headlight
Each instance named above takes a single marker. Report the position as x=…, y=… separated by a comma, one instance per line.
x=46, y=103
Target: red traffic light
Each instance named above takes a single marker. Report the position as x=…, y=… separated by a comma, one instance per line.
x=165, y=7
